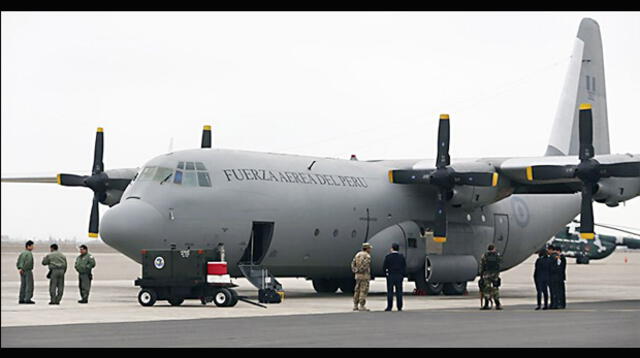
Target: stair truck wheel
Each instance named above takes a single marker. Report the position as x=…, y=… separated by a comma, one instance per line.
x=147, y=297
x=454, y=288
x=325, y=285
x=176, y=301
x=222, y=298
x=234, y=297
x=347, y=285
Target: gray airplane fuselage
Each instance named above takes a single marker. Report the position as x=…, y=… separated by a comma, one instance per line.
x=322, y=210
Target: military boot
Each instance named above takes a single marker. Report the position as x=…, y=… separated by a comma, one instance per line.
x=363, y=308
x=486, y=304
x=355, y=307
x=498, y=306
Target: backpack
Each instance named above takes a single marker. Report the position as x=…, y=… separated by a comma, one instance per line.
x=492, y=262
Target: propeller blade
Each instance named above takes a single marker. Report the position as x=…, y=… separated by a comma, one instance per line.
x=585, y=132
x=71, y=180
x=586, y=212
x=476, y=178
x=620, y=170
x=206, y=137
x=440, y=224
x=95, y=217
x=552, y=172
x=443, y=142
x=98, y=165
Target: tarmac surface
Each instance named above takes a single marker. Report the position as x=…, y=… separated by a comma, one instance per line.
x=603, y=309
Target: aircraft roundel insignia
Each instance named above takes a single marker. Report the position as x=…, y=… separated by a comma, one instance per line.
x=520, y=211
x=159, y=262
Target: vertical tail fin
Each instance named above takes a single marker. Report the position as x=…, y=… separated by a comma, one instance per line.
x=584, y=83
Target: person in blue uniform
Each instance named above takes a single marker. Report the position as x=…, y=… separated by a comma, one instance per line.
x=394, y=268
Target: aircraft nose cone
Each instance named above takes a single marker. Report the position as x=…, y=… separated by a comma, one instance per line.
x=131, y=226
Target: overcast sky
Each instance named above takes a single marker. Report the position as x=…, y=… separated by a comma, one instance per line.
x=322, y=84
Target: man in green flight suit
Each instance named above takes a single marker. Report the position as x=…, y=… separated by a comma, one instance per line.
x=57, y=263
x=25, y=268
x=84, y=264
x=490, y=275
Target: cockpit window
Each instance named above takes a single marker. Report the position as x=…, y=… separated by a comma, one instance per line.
x=203, y=179
x=147, y=173
x=162, y=174
x=192, y=174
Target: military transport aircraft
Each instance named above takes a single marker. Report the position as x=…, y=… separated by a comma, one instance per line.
x=299, y=216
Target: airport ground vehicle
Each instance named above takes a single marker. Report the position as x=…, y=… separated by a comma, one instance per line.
x=176, y=275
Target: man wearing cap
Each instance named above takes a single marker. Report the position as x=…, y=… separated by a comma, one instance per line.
x=361, y=267
x=25, y=268
x=57, y=263
x=84, y=264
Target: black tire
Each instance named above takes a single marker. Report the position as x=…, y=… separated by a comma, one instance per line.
x=222, y=298
x=147, y=297
x=234, y=298
x=176, y=301
x=347, y=285
x=204, y=301
x=431, y=288
x=454, y=288
x=325, y=285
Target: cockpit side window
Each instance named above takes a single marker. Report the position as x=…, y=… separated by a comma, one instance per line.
x=203, y=179
x=190, y=166
x=147, y=173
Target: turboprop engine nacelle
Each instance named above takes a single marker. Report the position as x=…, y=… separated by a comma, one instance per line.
x=468, y=196
x=612, y=191
x=120, y=178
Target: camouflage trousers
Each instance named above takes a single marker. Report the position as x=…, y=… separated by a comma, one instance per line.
x=487, y=289
x=360, y=292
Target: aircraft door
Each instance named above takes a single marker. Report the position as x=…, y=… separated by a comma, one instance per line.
x=259, y=242
x=501, y=232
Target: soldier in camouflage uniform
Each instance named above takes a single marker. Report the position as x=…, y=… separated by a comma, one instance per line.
x=490, y=275
x=84, y=264
x=25, y=268
x=57, y=263
x=361, y=267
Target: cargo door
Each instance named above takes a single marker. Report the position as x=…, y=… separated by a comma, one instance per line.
x=261, y=235
x=501, y=232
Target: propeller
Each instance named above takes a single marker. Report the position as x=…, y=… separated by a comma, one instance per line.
x=206, y=137
x=444, y=178
x=589, y=171
x=98, y=182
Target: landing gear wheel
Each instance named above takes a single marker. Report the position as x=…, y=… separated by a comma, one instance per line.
x=223, y=298
x=431, y=288
x=176, y=301
x=584, y=260
x=347, y=285
x=454, y=288
x=325, y=285
x=147, y=297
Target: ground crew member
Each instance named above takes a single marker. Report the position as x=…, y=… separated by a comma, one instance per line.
x=361, y=267
x=57, y=263
x=25, y=268
x=490, y=274
x=541, y=278
x=84, y=264
x=394, y=268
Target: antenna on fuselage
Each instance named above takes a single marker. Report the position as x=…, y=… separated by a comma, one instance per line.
x=206, y=137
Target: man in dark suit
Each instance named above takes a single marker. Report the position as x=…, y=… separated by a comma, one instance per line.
x=394, y=268
x=562, y=299
x=541, y=278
